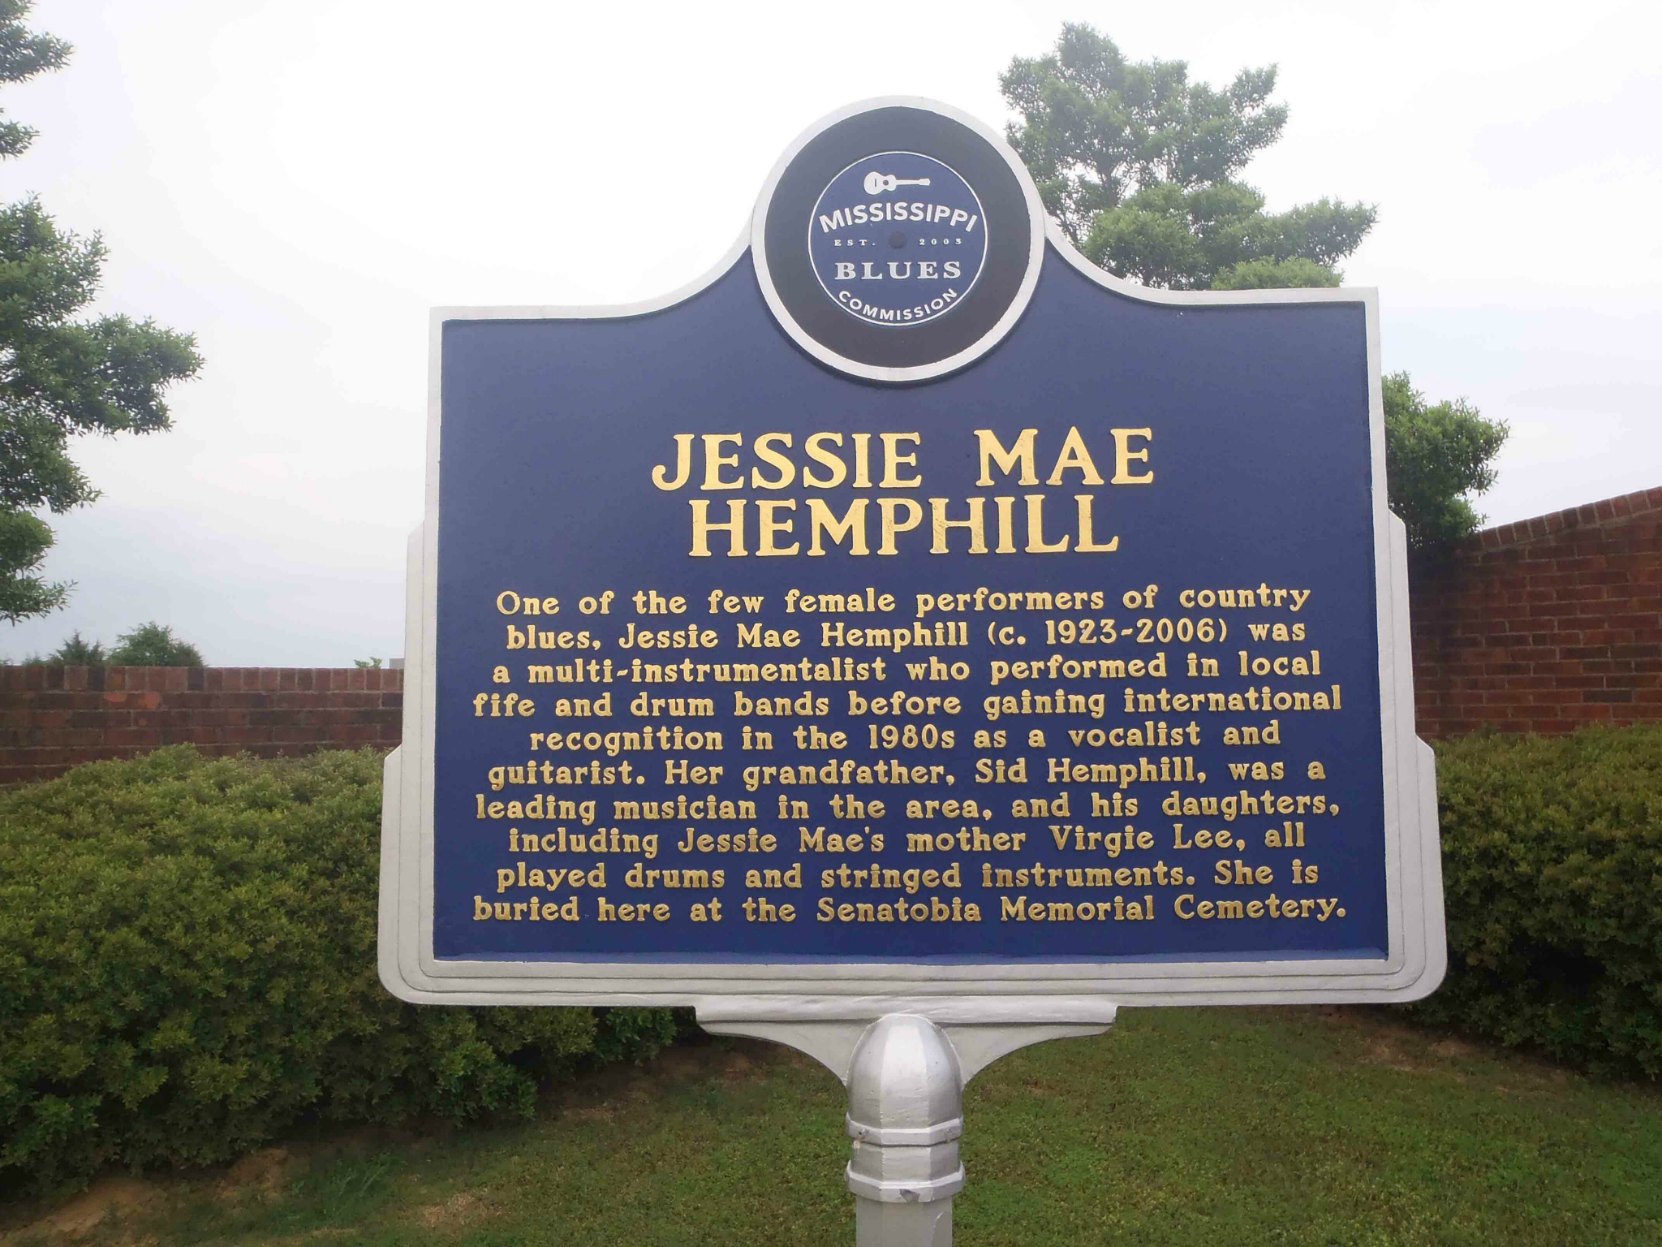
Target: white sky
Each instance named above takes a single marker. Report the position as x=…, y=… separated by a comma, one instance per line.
x=297, y=182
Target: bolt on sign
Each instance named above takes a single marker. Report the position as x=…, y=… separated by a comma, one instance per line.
x=909, y=611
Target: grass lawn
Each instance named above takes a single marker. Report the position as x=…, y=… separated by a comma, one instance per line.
x=1181, y=1126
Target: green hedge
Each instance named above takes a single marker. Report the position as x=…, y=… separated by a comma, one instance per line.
x=187, y=968
x=1552, y=864
x=187, y=960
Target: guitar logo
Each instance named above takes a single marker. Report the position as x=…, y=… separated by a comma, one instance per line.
x=876, y=183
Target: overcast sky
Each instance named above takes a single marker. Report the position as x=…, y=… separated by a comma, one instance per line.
x=298, y=182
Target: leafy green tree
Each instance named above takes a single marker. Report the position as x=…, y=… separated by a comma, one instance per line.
x=61, y=373
x=1435, y=455
x=1140, y=167
x=154, y=645
x=76, y=652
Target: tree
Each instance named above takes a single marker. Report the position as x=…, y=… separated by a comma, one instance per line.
x=153, y=645
x=76, y=652
x=1435, y=455
x=60, y=374
x=1139, y=166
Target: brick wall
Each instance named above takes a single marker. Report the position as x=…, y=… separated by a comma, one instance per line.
x=1545, y=625
x=52, y=718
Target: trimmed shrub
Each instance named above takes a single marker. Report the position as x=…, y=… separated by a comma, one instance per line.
x=187, y=968
x=1552, y=863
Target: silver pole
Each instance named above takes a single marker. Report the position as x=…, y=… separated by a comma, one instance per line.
x=905, y=1114
x=905, y=1075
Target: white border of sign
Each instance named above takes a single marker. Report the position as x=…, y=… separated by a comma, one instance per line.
x=1021, y=991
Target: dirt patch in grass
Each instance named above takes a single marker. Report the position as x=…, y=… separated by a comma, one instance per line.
x=263, y=1174
x=601, y=1095
x=737, y=1067
x=1455, y=1049
x=461, y=1209
x=592, y=1112
x=104, y=1200
x=1383, y=1050
x=1392, y=1041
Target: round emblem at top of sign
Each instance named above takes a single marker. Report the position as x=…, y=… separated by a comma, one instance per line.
x=898, y=240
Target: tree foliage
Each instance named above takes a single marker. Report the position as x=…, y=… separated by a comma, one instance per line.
x=78, y=652
x=61, y=373
x=1139, y=166
x=1435, y=455
x=23, y=54
x=153, y=645
x=148, y=645
x=1141, y=169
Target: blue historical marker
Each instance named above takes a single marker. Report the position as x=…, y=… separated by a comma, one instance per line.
x=908, y=643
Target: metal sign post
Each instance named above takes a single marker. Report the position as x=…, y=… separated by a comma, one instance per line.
x=905, y=1077
x=908, y=643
